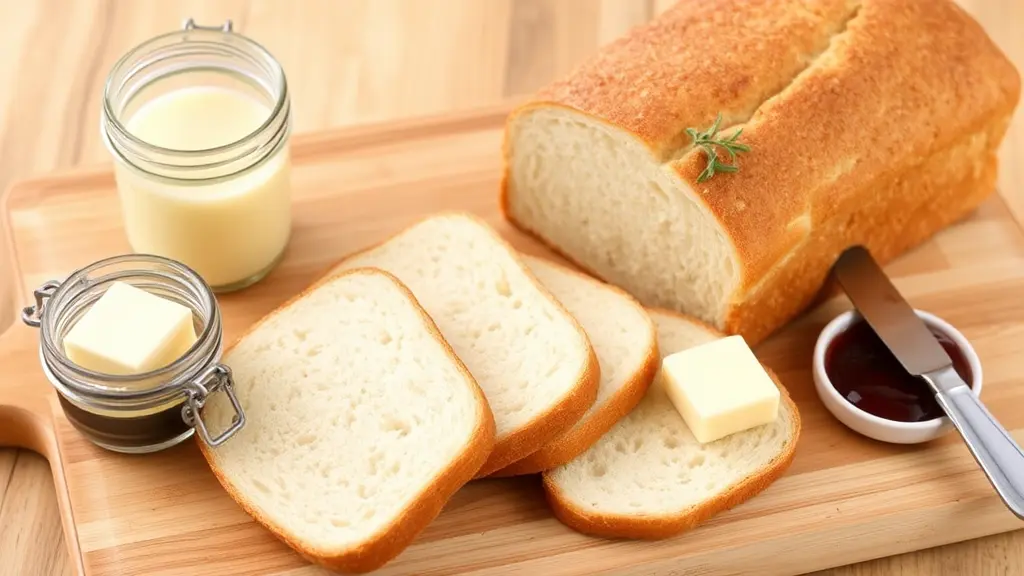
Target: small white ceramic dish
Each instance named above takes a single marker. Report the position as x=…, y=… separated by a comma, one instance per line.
x=868, y=424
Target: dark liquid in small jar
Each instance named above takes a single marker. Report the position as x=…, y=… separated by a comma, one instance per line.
x=868, y=375
x=121, y=433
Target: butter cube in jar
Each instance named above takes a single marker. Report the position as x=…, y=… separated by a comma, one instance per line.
x=132, y=346
x=130, y=331
x=198, y=123
x=719, y=388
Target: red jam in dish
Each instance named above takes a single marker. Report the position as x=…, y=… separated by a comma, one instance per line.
x=865, y=372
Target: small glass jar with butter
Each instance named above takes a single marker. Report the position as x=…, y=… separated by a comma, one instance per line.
x=198, y=122
x=141, y=390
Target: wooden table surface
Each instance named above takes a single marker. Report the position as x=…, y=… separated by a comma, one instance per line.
x=348, y=62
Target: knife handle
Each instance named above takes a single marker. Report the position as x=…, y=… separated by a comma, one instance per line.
x=990, y=444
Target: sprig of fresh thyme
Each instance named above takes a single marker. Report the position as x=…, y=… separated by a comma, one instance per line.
x=708, y=140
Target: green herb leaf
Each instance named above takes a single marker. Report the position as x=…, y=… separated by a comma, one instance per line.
x=708, y=140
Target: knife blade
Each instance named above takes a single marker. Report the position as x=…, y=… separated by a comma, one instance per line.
x=888, y=314
x=920, y=353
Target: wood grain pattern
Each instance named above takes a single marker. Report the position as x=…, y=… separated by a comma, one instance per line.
x=24, y=498
x=844, y=499
x=348, y=61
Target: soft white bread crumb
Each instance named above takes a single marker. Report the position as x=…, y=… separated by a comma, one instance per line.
x=598, y=195
x=624, y=338
x=530, y=357
x=649, y=478
x=361, y=422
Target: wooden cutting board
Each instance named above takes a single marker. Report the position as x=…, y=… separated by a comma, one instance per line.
x=845, y=498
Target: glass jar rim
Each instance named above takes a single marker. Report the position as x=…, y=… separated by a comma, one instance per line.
x=198, y=356
x=115, y=123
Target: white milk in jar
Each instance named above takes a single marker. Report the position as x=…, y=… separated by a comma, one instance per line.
x=198, y=122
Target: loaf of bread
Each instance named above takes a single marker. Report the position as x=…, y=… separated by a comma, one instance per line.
x=648, y=477
x=870, y=122
x=532, y=359
x=361, y=422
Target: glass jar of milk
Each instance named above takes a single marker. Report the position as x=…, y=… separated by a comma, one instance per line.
x=198, y=122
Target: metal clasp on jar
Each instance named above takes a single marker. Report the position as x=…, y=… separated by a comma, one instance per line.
x=33, y=315
x=217, y=377
x=214, y=378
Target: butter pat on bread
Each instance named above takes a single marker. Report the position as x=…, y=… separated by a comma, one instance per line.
x=720, y=388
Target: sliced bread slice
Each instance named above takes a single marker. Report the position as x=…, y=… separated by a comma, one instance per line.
x=532, y=359
x=626, y=343
x=361, y=422
x=649, y=478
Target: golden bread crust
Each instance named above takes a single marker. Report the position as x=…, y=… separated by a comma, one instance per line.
x=697, y=59
x=945, y=188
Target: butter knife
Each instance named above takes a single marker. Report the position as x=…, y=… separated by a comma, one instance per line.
x=913, y=344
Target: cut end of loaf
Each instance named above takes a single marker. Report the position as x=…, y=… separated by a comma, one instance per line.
x=600, y=197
